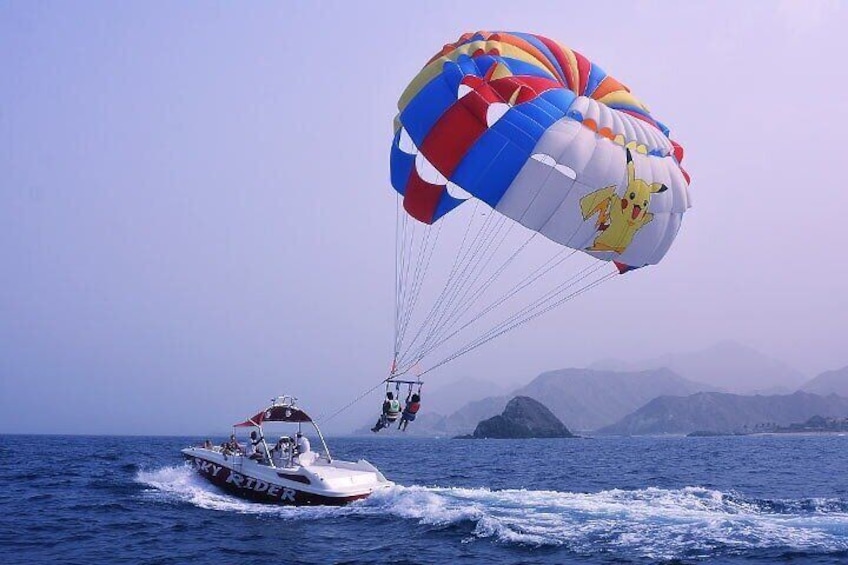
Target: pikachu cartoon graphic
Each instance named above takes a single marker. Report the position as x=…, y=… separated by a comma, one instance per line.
x=620, y=217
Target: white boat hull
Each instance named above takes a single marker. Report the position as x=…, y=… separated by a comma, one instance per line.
x=319, y=483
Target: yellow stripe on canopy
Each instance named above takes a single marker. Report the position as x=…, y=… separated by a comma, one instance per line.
x=434, y=68
x=622, y=98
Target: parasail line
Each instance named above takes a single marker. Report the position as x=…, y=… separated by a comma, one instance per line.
x=470, y=283
x=420, y=279
x=450, y=289
x=475, y=345
x=324, y=419
x=406, y=265
x=480, y=249
x=477, y=296
x=550, y=295
x=401, y=248
x=530, y=279
x=397, y=272
x=484, y=254
x=446, y=287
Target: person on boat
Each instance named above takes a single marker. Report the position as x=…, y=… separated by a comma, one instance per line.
x=257, y=450
x=412, y=405
x=391, y=412
x=231, y=447
x=302, y=443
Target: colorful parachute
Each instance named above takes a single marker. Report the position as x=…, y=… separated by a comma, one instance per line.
x=546, y=138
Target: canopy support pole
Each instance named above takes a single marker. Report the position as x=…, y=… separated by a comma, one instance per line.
x=324, y=443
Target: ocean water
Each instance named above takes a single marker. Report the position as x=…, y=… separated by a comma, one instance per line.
x=753, y=499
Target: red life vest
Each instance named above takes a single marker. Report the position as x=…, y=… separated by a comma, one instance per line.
x=412, y=408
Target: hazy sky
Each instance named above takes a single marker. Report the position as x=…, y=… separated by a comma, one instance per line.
x=196, y=212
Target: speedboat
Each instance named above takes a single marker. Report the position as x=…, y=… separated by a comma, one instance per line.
x=290, y=473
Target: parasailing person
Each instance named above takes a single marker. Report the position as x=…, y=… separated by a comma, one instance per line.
x=391, y=412
x=410, y=409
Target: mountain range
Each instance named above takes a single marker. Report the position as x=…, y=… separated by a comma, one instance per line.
x=728, y=366
x=586, y=399
x=725, y=413
x=830, y=382
x=707, y=390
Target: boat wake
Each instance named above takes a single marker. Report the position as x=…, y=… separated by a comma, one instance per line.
x=651, y=522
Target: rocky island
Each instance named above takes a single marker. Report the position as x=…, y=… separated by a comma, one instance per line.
x=523, y=417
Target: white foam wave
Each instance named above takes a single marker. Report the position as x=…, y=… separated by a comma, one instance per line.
x=653, y=522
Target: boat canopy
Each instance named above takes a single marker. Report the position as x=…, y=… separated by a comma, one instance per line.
x=283, y=409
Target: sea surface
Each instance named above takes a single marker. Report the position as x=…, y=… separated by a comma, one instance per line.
x=752, y=499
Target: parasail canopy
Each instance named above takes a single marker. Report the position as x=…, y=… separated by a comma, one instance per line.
x=545, y=137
